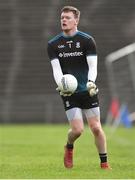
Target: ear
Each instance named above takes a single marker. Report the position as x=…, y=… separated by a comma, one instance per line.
x=76, y=21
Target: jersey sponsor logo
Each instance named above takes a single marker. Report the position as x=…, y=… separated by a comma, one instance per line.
x=61, y=46
x=72, y=54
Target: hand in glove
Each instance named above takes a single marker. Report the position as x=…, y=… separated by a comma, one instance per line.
x=63, y=93
x=92, y=88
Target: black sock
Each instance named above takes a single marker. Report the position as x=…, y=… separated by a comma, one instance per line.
x=103, y=157
x=70, y=146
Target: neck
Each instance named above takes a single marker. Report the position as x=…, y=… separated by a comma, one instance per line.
x=70, y=32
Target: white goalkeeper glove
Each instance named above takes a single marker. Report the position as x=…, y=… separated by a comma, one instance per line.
x=92, y=88
x=63, y=93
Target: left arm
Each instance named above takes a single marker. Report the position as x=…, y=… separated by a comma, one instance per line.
x=92, y=65
x=91, y=57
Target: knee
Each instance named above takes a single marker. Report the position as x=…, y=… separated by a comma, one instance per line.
x=78, y=131
x=97, y=131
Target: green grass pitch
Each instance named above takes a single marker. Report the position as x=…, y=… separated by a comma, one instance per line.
x=36, y=152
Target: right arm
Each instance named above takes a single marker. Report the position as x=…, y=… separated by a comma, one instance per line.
x=57, y=71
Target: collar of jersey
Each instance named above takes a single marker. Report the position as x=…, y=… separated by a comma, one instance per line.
x=69, y=36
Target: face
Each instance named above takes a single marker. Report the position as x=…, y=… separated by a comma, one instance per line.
x=68, y=21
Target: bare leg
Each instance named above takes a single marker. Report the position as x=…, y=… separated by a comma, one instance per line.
x=75, y=131
x=76, y=124
x=99, y=135
x=75, y=118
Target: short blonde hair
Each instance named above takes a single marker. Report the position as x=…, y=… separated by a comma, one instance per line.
x=75, y=11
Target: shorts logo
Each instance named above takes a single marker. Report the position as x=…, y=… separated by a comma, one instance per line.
x=67, y=104
x=72, y=54
x=93, y=104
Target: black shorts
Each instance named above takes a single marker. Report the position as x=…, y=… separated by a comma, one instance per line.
x=81, y=100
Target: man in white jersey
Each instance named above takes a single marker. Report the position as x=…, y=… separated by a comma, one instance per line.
x=74, y=52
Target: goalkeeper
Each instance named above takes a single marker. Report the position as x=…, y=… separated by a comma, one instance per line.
x=74, y=52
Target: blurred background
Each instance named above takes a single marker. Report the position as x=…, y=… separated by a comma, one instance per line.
x=27, y=88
